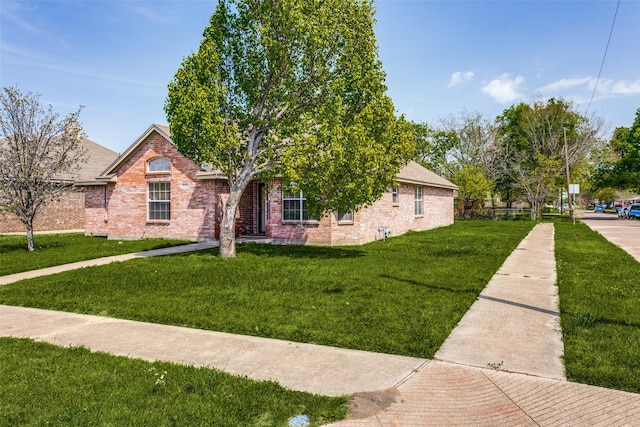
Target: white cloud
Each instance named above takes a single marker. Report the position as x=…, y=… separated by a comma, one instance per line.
x=619, y=87
x=606, y=87
x=567, y=84
x=504, y=88
x=461, y=76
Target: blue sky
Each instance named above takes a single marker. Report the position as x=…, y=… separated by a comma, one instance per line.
x=441, y=57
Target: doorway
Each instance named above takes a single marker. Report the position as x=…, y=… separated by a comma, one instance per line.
x=262, y=208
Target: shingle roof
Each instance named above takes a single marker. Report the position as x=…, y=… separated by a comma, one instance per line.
x=414, y=173
x=97, y=159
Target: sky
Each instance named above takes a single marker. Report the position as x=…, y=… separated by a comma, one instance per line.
x=441, y=58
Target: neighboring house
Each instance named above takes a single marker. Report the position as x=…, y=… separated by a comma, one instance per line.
x=152, y=190
x=67, y=213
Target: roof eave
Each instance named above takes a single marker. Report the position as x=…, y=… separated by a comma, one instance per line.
x=426, y=183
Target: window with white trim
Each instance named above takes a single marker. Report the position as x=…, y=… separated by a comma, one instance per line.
x=294, y=207
x=418, y=200
x=394, y=195
x=159, y=201
x=159, y=164
x=345, y=217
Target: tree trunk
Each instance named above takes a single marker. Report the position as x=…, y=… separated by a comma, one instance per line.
x=30, y=243
x=228, y=225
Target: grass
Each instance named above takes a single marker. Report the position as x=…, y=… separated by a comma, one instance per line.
x=599, y=287
x=401, y=296
x=57, y=249
x=44, y=384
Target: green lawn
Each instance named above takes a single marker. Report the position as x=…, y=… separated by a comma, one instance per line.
x=44, y=384
x=599, y=286
x=56, y=249
x=400, y=296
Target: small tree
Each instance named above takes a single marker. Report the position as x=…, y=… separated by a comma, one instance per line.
x=38, y=155
x=294, y=89
x=473, y=188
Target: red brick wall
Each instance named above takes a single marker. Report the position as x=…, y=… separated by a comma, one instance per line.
x=95, y=209
x=62, y=215
x=193, y=203
x=197, y=207
x=400, y=218
x=246, y=215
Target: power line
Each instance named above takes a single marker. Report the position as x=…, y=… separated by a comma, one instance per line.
x=604, y=57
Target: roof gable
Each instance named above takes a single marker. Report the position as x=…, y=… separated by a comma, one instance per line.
x=113, y=168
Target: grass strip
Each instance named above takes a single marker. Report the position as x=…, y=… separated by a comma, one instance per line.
x=58, y=249
x=43, y=384
x=599, y=289
x=400, y=296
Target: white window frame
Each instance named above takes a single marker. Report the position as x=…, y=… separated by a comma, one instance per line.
x=394, y=195
x=159, y=165
x=418, y=201
x=159, y=201
x=345, y=217
x=301, y=214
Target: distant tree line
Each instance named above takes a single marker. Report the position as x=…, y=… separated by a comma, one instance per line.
x=520, y=155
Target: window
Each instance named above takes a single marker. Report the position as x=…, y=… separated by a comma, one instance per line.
x=345, y=217
x=394, y=195
x=159, y=201
x=159, y=164
x=294, y=207
x=418, y=200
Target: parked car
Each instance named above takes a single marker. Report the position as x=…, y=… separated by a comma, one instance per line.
x=634, y=211
x=623, y=212
x=600, y=208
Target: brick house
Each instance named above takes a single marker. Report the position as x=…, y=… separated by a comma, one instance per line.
x=67, y=213
x=151, y=190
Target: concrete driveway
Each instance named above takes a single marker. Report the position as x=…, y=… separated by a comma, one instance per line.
x=624, y=233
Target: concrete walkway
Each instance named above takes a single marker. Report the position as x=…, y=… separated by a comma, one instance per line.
x=12, y=278
x=313, y=368
x=515, y=323
x=512, y=326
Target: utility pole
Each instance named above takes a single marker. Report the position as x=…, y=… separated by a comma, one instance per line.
x=566, y=162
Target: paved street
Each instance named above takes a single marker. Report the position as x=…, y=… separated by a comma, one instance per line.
x=623, y=232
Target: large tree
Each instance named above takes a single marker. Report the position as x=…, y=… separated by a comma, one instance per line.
x=623, y=171
x=531, y=138
x=294, y=89
x=38, y=155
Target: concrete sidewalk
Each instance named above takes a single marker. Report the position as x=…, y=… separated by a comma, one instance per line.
x=12, y=278
x=306, y=367
x=515, y=323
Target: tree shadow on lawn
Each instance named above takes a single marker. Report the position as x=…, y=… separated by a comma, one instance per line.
x=293, y=251
x=299, y=251
x=587, y=320
x=437, y=288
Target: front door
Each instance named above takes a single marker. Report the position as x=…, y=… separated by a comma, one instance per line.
x=262, y=201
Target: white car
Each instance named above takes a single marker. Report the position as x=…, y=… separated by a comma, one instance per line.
x=623, y=212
